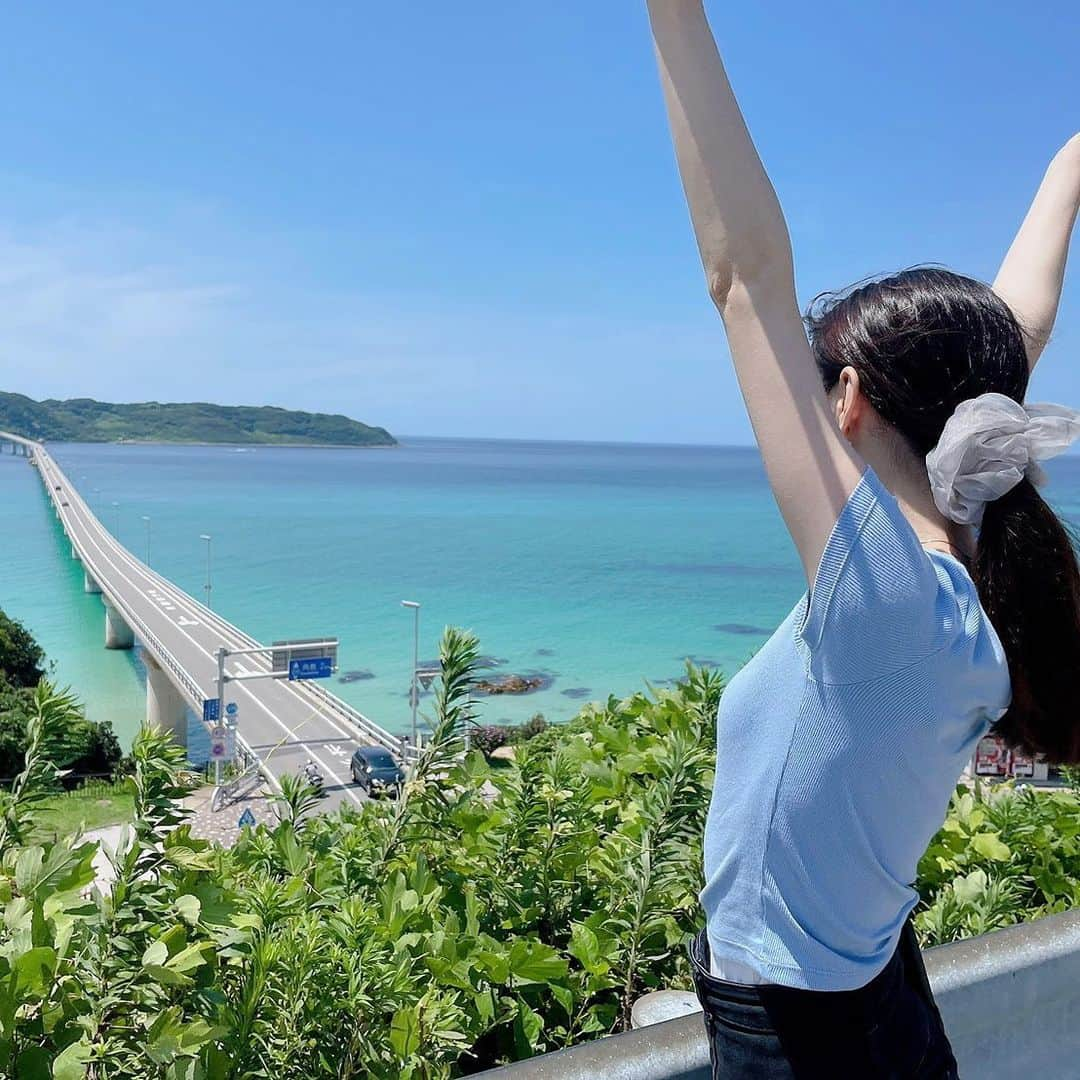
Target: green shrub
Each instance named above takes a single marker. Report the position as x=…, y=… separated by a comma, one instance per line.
x=1006, y=853
x=83, y=747
x=534, y=726
x=22, y=660
x=484, y=916
x=488, y=737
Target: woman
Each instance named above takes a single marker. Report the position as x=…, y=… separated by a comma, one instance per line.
x=944, y=599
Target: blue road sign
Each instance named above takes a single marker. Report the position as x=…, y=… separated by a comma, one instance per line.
x=211, y=710
x=232, y=709
x=315, y=667
x=247, y=817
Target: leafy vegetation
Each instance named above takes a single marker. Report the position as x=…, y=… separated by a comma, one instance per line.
x=22, y=660
x=85, y=420
x=1006, y=853
x=488, y=738
x=82, y=748
x=89, y=806
x=486, y=915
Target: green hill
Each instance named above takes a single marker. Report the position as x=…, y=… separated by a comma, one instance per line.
x=84, y=420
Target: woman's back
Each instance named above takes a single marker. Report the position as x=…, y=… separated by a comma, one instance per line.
x=839, y=745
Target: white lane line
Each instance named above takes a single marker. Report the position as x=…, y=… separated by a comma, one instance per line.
x=347, y=788
x=302, y=696
x=305, y=696
x=93, y=526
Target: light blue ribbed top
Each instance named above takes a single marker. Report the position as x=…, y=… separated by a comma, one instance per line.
x=838, y=747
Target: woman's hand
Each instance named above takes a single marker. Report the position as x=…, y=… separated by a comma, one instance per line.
x=1033, y=272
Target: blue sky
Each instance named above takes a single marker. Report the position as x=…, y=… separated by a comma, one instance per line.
x=464, y=219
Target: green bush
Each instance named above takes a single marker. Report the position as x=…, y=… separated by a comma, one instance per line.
x=488, y=737
x=22, y=660
x=1006, y=853
x=519, y=733
x=82, y=747
x=484, y=916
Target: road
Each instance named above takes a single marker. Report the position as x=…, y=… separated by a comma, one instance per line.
x=283, y=722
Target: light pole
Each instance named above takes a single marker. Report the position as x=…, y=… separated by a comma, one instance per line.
x=147, y=520
x=208, y=586
x=414, y=690
x=116, y=511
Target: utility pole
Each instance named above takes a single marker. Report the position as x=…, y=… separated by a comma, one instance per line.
x=209, y=585
x=414, y=692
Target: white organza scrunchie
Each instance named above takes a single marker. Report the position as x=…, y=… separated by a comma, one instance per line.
x=989, y=444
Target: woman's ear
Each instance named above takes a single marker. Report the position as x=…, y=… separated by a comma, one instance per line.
x=850, y=403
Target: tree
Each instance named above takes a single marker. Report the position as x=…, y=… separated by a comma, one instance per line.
x=22, y=660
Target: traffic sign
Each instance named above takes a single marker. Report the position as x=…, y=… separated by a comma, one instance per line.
x=284, y=652
x=232, y=709
x=219, y=748
x=211, y=710
x=427, y=676
x=247, y=817
x=315, y=667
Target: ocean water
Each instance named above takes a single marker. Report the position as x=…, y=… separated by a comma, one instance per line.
x=594, y=566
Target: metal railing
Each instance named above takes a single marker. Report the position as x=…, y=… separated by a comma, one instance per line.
x=342, y=709
x=367, y=728
x=1010, y=1001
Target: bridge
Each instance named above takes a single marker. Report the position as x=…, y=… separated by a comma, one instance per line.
x=282, y=723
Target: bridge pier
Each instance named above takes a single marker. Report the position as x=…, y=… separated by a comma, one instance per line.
x=90, y=585
x=165, y=708
x=118, y=634
x=74, y=553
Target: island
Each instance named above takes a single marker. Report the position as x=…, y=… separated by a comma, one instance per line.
x=86, y=420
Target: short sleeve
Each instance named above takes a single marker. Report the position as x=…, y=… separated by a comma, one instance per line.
x=876, y=605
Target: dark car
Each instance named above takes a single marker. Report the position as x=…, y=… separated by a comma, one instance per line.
x=375, y=770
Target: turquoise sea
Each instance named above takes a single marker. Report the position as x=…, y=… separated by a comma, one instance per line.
x=596, y=566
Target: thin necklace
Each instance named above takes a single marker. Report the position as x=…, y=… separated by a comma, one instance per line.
x=953, y=549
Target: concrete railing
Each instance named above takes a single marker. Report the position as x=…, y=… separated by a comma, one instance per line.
x=1010, y=1001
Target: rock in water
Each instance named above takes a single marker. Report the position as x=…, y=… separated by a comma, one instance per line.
x=509, y=684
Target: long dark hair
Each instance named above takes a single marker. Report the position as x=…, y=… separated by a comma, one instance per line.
x=922, y=341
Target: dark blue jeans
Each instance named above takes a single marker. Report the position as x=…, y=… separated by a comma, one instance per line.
x=887, y=1030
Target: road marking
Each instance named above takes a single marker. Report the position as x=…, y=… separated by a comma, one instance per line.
x=88, y=529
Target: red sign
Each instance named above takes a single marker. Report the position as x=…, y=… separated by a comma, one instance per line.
x=991, y=757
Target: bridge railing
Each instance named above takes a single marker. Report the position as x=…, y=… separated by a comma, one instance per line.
x=1009, y=999
x=353, y=717
x=161, y=653
x=187, y=684
x=349, y=713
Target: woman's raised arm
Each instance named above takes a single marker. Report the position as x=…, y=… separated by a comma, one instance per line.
x=1031, y=277
x=746, y=251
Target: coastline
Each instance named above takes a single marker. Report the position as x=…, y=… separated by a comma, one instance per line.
x=239, y=445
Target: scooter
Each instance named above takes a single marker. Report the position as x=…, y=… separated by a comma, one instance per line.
x=312, y=774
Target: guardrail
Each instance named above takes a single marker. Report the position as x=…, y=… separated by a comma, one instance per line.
x=1010, y=1001
x=367, y=728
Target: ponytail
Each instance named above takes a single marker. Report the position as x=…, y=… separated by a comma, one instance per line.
x=941, y=358
x=1026, y=573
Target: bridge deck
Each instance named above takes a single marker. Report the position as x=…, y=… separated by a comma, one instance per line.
x=283, y=722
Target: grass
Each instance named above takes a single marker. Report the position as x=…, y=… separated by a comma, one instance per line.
x=87, y=808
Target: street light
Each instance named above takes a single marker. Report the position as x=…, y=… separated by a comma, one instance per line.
x=414, y=690
x=147, y=520
x=208, y=586
x=116, y=509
